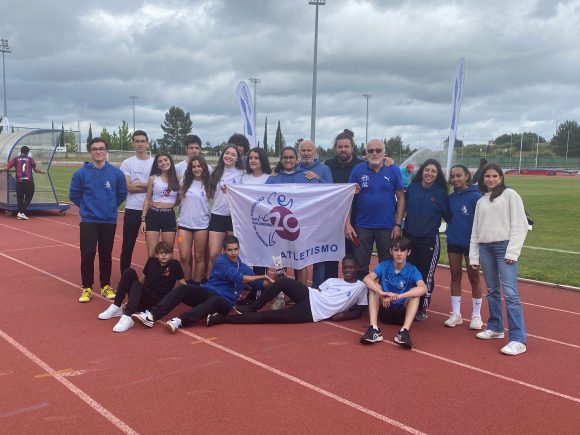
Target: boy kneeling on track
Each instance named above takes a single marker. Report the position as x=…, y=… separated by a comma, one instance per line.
x=228, y=278
x=395, y=290
x=311, y=305
x=159, y=277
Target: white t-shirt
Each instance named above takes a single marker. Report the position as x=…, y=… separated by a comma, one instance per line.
x=220, y=202
x=335, y=296
x=251, y=179
x=137, y=170
x=194, y=210
x=182, y=166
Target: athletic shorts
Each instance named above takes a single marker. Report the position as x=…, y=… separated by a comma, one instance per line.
x=394, y=315
x=160, y=219
x=456, y=249
x=220, y=224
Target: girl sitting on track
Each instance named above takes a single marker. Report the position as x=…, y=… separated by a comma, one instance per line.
x=158, y=218
x=462, y=205
x=194, y=218
x=227, y=171
x=160, y=274
x=499, y=230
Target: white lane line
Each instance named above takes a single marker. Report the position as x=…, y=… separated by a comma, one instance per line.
x=108, y=415
x=523, y=303
x=472, y=368
x=552, y=250
x=34, y=248
x=304, y=384
x=24, y=410
x=54, y=240
x=563, y=343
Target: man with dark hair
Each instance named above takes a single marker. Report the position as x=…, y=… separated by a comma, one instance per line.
x=228, y=278
x=395, y=290
x=97, y=189
x=335, y=296
x=241, y=142
x=24, y=181
x=192, y=145
x=136, y=170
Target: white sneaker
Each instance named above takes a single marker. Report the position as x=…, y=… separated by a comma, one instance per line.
x=279, y=302
x=488, y=334
x=173, y=325
x=22, y=216
x=454, y=320
x=513, y=348
x=124, y=324
x=112, y=311
x=476, y=323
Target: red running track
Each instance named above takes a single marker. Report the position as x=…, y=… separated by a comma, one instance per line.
x=64, y=371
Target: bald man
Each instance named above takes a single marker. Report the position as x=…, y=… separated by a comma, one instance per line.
x=379, y=207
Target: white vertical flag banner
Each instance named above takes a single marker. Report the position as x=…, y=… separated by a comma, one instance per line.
x=302, y=223
x=247, y=111
x=455, y=108
x=6, y=126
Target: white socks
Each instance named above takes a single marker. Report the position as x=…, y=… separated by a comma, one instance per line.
x=456, y=304
x=477, y=307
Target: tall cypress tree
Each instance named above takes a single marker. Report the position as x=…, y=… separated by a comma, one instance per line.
x=266, y=135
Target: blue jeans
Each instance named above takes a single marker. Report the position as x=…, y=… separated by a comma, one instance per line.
x=318, y=272
x=497, y=272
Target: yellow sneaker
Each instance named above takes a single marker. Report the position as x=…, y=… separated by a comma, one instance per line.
x=86, y=294
x=108, y=292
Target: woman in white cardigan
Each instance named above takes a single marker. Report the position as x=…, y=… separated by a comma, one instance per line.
x=497, y=237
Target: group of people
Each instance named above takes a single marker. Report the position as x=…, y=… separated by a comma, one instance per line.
x=486, y=226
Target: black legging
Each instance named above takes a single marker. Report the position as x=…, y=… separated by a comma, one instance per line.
x=299, y=313
x=202, y=301
x=24, y=194
x=140, y=297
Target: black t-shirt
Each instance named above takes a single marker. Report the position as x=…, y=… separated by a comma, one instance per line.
x=341, y=173
x=161, y=279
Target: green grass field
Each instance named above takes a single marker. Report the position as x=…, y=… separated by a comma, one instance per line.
x=553, y=203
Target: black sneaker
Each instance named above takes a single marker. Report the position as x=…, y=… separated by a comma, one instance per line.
x=404, y=339
x=214, y=319
x=421, y=316
x=243, y=309
x=371, y=336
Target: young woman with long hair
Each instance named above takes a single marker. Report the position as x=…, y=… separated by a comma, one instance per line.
x=499, y=231
x=158, y=218
x=426, y=203
x=462, y=202
x=193, y=218
x=229, y=170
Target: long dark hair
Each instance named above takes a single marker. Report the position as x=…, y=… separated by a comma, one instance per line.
x=188, y=176
x=172, y=181
x=264, y=162
x=279, y=167
x=465, y=171
x=499, y=188
x=218, y=171
x=440, y=180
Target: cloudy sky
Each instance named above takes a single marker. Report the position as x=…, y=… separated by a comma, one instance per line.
x=80, y=61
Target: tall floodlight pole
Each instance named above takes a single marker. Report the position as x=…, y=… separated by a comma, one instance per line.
x=521, y=147
x=256, y=82
x=368, y=97
x=314, y=69
x=537, y=149
x=4, y=48
x=567, y=143
x=133, y=98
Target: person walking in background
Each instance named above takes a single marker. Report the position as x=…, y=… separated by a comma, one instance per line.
x=193, y=219
x=427, y=202
x=158, y=218
x=136, y=170
x=24, y=165
x=499, y=231
x=477, y=176
x=462, y=204
x=407, y=172
x=97, y=189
